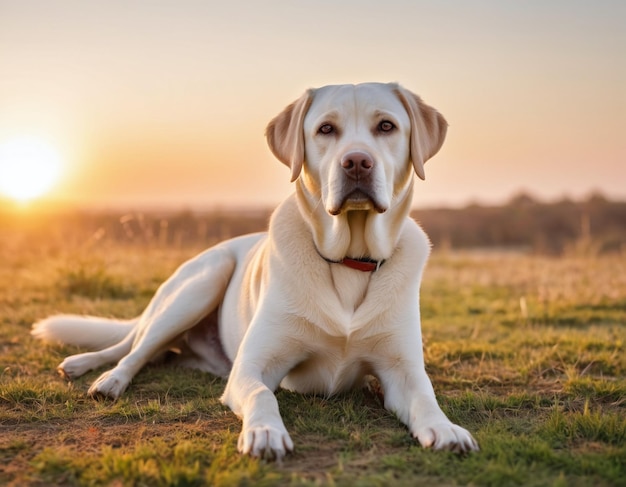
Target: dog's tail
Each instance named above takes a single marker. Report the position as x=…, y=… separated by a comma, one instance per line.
x=85, y=331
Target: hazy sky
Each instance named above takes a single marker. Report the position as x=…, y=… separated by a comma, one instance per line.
x=166, y=102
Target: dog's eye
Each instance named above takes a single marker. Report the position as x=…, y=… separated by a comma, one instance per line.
x=386, y=126
x=326, y=129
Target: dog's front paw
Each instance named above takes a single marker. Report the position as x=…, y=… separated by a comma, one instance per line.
x=447, y=436
x=110, y=384
x=265, y=441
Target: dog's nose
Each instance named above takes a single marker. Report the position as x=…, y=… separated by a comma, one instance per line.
x=357, y=164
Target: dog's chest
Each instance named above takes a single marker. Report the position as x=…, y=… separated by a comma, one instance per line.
x=334, y=364
x=350, y=286
x=339, y=349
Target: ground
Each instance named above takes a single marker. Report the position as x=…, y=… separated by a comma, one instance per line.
x=525, y=351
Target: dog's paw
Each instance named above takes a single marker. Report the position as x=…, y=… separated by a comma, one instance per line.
x=75, y=366
x=447, y=436
x=111, y=384
x=265, y=441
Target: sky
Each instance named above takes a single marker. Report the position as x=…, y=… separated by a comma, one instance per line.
x=164, y=103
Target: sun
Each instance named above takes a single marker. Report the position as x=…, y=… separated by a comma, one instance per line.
x=29, y=168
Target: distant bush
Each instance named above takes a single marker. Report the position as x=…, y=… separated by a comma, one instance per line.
x=92, y=280
x=529, y=224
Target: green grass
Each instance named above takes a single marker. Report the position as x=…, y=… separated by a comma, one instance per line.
x=527, y=352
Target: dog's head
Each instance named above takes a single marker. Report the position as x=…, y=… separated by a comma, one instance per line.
x=353, y=146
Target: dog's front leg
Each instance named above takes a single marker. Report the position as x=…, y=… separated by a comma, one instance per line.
x=409, y=394
x=264, y=357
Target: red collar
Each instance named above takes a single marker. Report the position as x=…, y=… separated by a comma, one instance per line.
x=363, y=265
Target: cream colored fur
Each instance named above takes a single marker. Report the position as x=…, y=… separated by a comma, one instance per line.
x=272, y=309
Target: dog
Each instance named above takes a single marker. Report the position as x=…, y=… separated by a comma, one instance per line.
x=328, y=296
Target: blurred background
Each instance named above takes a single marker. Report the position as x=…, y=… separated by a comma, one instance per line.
x=141, y=113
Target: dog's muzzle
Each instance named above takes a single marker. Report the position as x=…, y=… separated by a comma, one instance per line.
x=357, y=191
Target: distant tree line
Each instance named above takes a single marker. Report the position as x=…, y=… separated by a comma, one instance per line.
x=525, y=223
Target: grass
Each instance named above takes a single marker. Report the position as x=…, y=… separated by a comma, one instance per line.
x=525, y=351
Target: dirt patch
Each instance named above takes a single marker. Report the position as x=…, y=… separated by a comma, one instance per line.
x=20, y=444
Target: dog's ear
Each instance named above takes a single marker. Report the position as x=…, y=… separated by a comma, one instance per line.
x=428, y=129
x=285, y=134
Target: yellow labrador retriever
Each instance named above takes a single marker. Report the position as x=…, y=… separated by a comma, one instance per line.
x=328, y=295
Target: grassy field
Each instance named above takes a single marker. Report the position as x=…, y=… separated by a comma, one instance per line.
x=527, y=352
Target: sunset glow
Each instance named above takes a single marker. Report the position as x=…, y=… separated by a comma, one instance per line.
x=29, y=167
x=533, y=93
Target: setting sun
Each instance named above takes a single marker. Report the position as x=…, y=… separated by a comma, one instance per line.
x=29, y=167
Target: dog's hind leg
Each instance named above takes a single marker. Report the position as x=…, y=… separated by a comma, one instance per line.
x=194, y=291
x=202, y=348
x=111, y=338
x=76, y=365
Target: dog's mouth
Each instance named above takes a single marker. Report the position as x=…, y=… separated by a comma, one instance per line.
x=357, y=200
